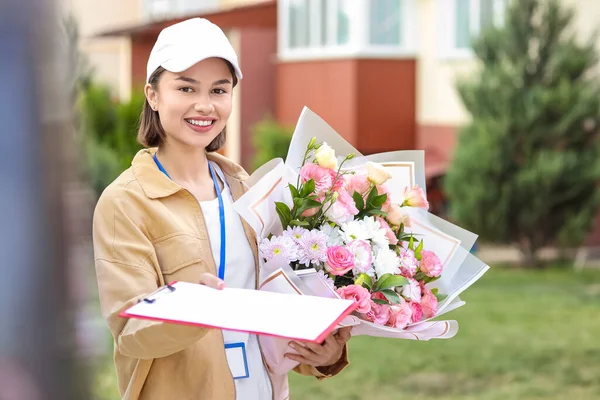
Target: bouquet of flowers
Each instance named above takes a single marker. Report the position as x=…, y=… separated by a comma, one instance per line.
x=343, y=224
x=357, y=227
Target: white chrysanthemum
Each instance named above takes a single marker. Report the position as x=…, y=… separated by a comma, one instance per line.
x=386, y=262
x=375, y=232
x=295, y=232
x=279, y=246
x=312, y=248
x=353, y=230
x=334, y=237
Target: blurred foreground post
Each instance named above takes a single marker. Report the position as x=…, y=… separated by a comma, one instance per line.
x=37, y=339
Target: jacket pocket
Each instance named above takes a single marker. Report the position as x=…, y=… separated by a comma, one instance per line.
x=182, y=257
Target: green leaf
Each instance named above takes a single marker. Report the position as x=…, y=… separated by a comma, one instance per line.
x=377, y=212
x=372, y=194
x=379, y=301
x=306, y=205
x=440, y=297
x=308, y=188
x=294, y=191
x=358, y=200
x=379, y=200
x=296, y=222
x=420, y=276
x=284, y=213
x=435, y=291
x=411, y=243
x=392, y=296
x=387, y=281
x=418, y=250
x=364, y=280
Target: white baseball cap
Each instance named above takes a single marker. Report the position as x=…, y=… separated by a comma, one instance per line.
x=186, y=43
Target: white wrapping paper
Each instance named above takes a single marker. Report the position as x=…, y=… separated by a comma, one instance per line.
x=269, y=184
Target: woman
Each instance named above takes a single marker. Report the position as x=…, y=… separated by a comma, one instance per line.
x=161, y=221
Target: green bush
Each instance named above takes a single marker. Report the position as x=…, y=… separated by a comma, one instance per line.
x=108, y=130
x=271, y=140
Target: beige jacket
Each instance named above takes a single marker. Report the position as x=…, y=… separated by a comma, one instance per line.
x=148, y=231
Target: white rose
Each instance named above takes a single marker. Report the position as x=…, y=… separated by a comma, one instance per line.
x=377, y=174
x=325, y=157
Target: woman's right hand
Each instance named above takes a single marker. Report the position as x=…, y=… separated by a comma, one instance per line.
x=211, y=281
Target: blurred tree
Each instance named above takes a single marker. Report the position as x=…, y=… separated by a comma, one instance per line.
x=108, y=130
x=271, y=140
x=526, y=169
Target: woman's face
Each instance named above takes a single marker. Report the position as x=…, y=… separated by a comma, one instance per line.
x=193, y=105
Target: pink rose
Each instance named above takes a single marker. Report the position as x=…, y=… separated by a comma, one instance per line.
x=415, y=197
x=408, y=263
x=388, y=231
x=400, y=316
x=382, y=189
x=311, y=212
x=417, y=312
x=339, y=260
x=320, y=175
x=343, y=208
x=363, y=255
x=379, y=314
x=357, y=183
x=431, y=264
x=359, y=294
x=429, y=304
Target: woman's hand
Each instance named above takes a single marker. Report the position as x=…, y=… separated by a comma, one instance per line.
x=211, y=281
x=321, y=355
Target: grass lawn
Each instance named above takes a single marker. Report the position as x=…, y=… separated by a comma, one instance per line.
x=523, y=335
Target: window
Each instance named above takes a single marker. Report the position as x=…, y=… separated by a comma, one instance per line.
x=384, y=22
x=330, y=28
x=461, y=20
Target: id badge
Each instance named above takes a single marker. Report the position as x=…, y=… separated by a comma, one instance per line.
x=237, y=360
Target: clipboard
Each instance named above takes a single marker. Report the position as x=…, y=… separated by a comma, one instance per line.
x=302, y=318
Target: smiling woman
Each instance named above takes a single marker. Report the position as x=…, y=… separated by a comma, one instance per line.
x=170, y=217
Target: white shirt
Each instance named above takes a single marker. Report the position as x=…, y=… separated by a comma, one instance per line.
x=239, y=273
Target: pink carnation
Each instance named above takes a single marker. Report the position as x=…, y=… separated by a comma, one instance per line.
x=379, y=314
x=359, y=294
x=320, y=175
x=343, y=208
x=339, y=260
x=400, y=316
x=357, y=183
x=431, y=264
x=339, y=182
x=429, y=304
x=417, y=312
x=408, y=263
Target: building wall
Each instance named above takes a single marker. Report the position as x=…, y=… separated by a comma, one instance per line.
x=109, y=57
x=369, y=102
x=258, y=48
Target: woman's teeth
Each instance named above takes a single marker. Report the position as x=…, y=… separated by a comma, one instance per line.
x=200, y=123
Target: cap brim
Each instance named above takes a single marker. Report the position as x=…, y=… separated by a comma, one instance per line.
x=180, y=64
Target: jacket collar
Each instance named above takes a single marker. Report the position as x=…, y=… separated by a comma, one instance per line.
x=156, y=185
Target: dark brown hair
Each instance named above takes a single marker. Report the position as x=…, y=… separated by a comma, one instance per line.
x=151, y=133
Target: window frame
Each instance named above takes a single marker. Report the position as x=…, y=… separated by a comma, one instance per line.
x=358, y=45
x=447, y=23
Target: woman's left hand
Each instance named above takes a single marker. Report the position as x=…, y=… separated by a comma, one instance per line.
x=321, y=355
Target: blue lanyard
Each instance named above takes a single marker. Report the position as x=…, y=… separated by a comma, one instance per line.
x=221, y=213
